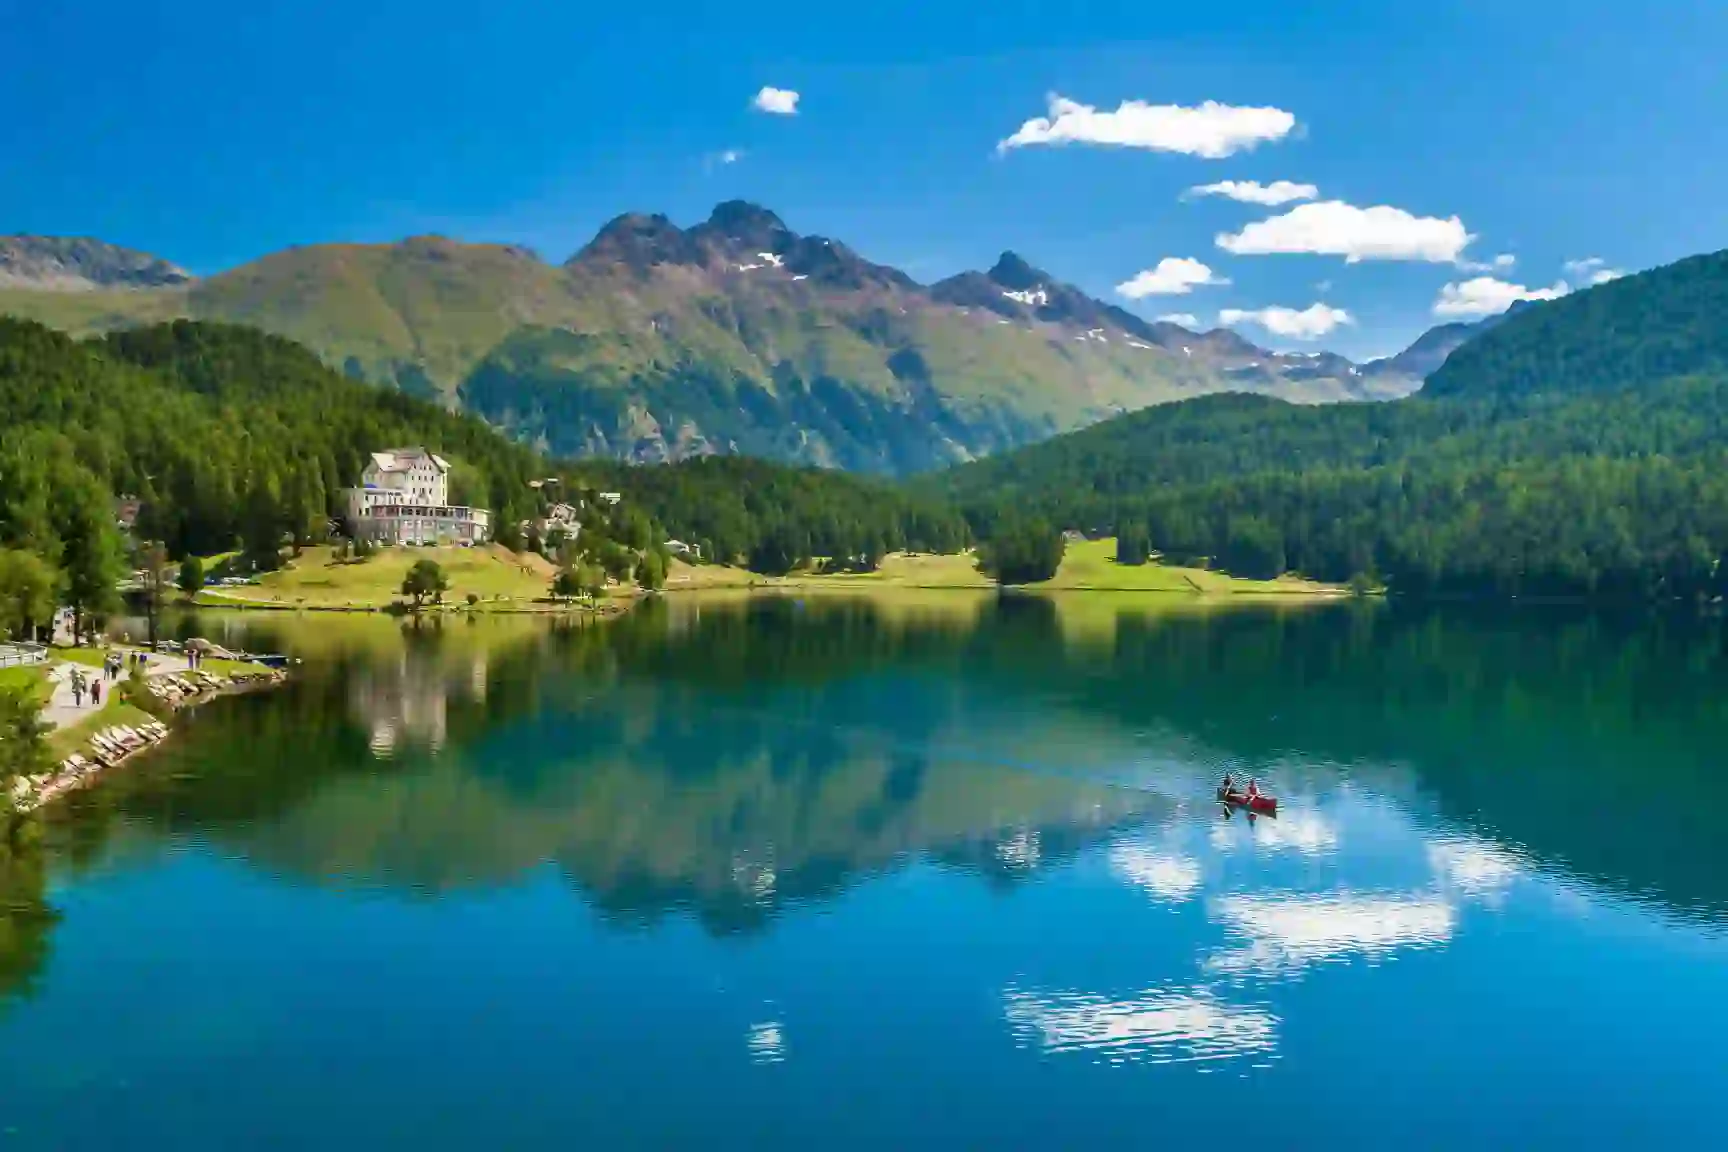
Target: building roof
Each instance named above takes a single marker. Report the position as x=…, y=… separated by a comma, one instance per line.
x=402, y=459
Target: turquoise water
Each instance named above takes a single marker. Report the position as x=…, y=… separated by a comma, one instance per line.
x=829, y=874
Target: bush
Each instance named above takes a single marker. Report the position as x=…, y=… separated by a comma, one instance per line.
x=567, y=585
x=425, y=581
x=651, y=573
x=1022, y=553
x=1133, y=544
x=23, y=747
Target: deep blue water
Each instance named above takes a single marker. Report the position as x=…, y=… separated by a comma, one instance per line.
x=946, y=876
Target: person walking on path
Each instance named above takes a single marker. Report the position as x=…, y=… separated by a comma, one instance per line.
x=96, y=694
x=77, y=689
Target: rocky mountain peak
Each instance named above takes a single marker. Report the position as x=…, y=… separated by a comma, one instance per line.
x=640, y=241
x=1013, y=272
x=832, y=264
x=750, y=226
x=81, y=264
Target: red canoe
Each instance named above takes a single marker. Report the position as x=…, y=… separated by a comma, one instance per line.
x=1238, y=799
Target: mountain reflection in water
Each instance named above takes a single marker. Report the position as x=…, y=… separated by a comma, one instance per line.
x=731, y=758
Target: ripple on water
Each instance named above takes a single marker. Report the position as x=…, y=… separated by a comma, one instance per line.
x=766, y=1041
x=1161, y=1026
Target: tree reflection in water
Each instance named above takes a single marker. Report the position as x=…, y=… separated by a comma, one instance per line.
x=736, y=759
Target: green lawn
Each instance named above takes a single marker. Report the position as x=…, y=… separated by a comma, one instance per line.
x=89, y=657
x=31, y=677
x=1091, y=565
x=316, y=580
x=1087, y=565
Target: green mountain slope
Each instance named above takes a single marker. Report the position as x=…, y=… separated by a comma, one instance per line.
x=1579, y=447
x=735, y=335
x=1631, y=332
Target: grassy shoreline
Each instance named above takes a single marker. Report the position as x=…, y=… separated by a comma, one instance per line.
x=504, y=583
x=1087, y=566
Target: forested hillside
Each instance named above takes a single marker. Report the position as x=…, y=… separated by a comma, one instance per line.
x=231, y=437
x=1628, y=333
x=225, y=434
x=1578, y=448
x=771, y=515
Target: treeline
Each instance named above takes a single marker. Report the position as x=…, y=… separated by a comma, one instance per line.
x=1613, y=495
x=774, y=518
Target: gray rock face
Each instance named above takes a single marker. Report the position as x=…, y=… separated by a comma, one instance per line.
x=81, y=264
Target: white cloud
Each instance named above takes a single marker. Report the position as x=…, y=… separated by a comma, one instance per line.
x=731, y=156
x=1334, y=228
x=1174, y=276
x=1310, y=323
x=1590, y=271
x=1486, y=296
x=779, y=101
x=1253, y=192
x=1211, y=130
x=1185, y=319
x=1505, y=260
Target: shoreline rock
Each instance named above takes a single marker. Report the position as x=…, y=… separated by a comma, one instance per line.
x=112, y=746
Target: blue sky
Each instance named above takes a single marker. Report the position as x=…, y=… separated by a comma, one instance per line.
x=1549, y=131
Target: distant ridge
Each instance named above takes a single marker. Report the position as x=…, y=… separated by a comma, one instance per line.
x=81, y=264
x=736, y=334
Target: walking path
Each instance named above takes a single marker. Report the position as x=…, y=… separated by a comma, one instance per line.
x=61, y=710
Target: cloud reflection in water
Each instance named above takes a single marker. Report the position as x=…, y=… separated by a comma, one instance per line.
x=1164, y=875
x=1158, y=1027
x=1290, y=932
x=1304, y=832
x=1475, y=868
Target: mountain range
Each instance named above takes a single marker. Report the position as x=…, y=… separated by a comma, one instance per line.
x=1574, y=448
x=735, y=335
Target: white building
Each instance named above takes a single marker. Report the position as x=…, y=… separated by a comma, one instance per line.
x=404, y=498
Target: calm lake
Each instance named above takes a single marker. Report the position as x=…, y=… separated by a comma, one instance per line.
x=938, y=873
